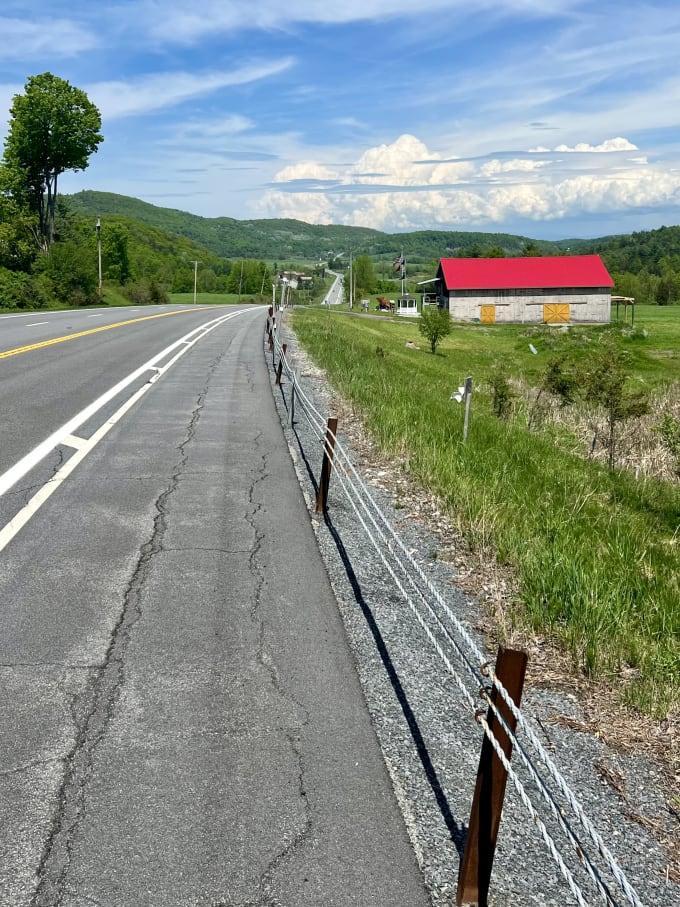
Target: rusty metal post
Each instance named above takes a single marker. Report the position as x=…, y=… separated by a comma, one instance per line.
x=325, y=478
x=487, y=804
x=291, y=407
x=280, y=368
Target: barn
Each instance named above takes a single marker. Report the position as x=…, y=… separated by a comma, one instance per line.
x=564, y=289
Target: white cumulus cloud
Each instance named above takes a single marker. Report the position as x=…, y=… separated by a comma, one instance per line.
x=305, y=170
x=410, y=187
x=610, y=145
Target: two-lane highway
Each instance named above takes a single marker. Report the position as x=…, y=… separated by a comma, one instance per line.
x=180, y=719
x=54, y=364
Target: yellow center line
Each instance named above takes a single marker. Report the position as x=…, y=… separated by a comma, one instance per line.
x=105, y=327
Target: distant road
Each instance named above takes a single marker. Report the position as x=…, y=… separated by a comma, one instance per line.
x=336, y=293
x=180, y=718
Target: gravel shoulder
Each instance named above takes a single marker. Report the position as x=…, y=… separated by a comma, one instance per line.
x=429, y=738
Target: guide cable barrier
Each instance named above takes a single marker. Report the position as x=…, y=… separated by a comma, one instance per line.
x=445, y=631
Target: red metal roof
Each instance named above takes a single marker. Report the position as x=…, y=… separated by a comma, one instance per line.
x=532, y=273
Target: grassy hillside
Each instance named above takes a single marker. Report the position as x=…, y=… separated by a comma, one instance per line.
x=594, y=551
x=286, y=240
x=281, y=240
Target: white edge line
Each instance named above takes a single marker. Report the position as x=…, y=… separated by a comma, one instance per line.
x=20, y=519
x=9, y=478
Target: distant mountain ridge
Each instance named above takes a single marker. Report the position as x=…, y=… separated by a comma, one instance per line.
x=290, y=239
x=654, y=251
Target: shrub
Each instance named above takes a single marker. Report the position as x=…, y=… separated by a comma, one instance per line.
x=434, y=324
x=146, y=292
x=670, y=433
x=501, y=392
x=22, y=291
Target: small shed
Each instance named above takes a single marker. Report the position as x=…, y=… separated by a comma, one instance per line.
x=408, y=305
x=559, y=289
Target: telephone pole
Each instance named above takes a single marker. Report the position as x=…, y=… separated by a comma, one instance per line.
x=195, y=279
x=98, y=228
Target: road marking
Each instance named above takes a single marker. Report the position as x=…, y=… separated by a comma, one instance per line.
x=73, y=441
x=36, y=323
x=64, y=435
x=104, y=327
x=95, y=316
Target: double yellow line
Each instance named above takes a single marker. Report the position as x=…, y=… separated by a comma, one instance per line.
x=106, y=327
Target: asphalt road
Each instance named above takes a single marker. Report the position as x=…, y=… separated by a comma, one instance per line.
x=180, y=717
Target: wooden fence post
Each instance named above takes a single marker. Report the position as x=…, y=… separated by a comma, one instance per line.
x=487, y=804
x=325, y=478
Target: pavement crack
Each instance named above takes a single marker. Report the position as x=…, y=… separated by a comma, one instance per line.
x=265, y=896
x=103, y=694
x=27, y=766
x=213, y=550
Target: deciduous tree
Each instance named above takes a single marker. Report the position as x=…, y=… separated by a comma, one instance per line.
x=53, y=127
x=434, y=324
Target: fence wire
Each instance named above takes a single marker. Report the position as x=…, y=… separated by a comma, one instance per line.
x=469, y=668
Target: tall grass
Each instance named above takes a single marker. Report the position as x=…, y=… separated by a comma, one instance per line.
x=595, y=552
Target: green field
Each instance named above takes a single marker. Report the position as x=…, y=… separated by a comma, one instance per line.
x=210, y=298
x=595, y=551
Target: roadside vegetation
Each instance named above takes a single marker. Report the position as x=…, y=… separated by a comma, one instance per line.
x=593, y=541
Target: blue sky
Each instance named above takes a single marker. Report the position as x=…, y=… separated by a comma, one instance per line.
x=548, y=118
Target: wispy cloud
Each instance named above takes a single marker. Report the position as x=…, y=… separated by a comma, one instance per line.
x=25, y=40
x=173, y=22
x=158, y=91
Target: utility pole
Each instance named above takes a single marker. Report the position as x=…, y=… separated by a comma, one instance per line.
x=195, y=263
x=98, y=228
x=351, y=286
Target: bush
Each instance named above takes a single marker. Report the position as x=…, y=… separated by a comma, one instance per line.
x=434, y=324
x=501, y=392
x=22, y=291
x=670, y=433
x=146, y=292
x=71, y=272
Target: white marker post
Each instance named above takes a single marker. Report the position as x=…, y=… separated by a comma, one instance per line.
x=464, y=394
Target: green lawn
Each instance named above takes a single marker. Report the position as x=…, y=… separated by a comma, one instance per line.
x=595, y=552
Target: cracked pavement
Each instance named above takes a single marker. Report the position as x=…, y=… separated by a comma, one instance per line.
x=181, y=718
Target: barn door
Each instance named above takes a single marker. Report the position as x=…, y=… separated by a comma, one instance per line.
x=556, y=313
x=488, y=314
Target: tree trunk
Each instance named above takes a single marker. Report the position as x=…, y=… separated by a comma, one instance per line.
x=51, y=204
